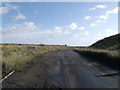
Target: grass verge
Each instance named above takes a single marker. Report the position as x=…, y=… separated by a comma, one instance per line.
x=106, y=57
x=16, y=57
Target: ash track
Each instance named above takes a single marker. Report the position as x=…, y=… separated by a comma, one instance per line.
x=63, y=69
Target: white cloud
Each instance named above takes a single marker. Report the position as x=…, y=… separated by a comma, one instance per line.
x=106, y=33
x=26, y=32
x=81, y=28
x=73, y=26
x=20, y=17
x=109, y=12
x=57, y=30
x=101, y=6
x=25, y=27
x=92, y=24
x=87, y=17
x=61, y=30
x=115, y=10
x=29, y=32
x=104, y=17
x=77, y=39
x=78, y=34
x=86, y=33
x=68, y=29
x=80, y=38
x=109, y=32
x=64, y=30
x=30, y=25
x=92, y=9
x=7, y=7
x=98, y=6
x=98, y=21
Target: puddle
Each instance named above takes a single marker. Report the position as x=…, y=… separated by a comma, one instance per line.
x=59, y=79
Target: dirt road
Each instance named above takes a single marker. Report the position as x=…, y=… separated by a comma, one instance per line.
x=63, y=69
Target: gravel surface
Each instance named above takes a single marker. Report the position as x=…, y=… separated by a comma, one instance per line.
x=62, y=69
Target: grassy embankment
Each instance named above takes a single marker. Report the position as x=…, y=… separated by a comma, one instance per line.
x=104, y=51
x=109, y=58
x=16, y=57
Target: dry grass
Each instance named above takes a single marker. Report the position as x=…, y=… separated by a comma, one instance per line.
x=109, y=58
x=16, y=57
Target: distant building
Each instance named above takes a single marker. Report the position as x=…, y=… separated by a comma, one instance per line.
x=30, y=48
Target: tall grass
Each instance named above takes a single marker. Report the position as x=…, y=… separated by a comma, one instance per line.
x=16, y=57
x=109, y=58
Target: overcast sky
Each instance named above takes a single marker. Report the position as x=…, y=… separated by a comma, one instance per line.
x=80, y=23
